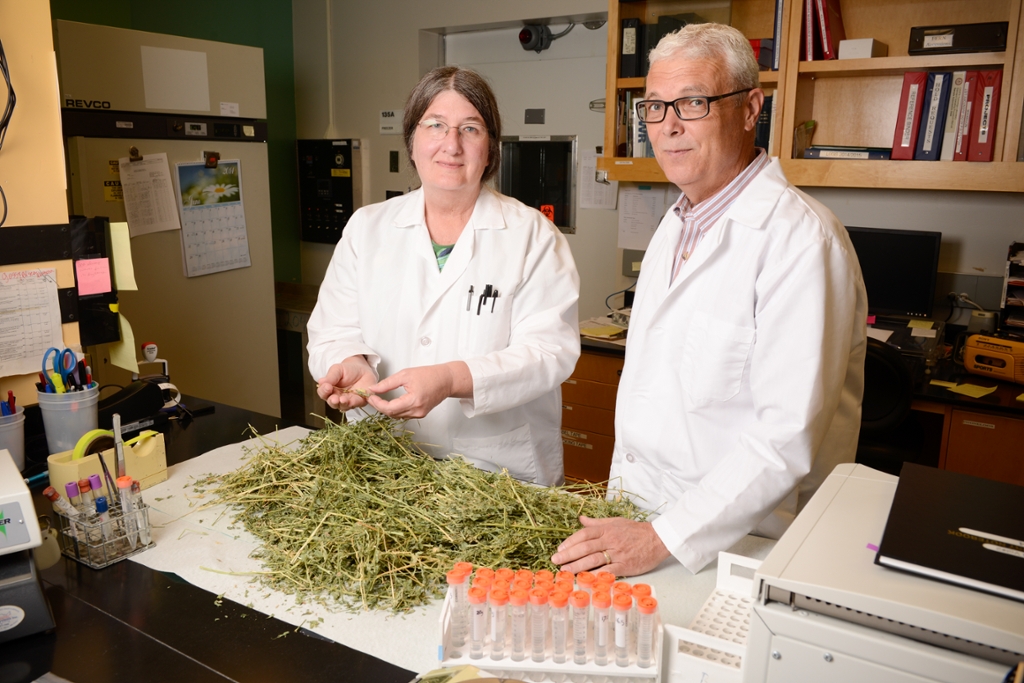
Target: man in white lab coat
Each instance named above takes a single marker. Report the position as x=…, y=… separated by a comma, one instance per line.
x=744, y=368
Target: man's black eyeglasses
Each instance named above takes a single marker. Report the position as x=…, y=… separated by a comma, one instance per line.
x=687, y=108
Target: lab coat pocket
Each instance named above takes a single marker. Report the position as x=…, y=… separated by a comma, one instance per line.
x=714, y=357
x=513, y=451
x=486, y=326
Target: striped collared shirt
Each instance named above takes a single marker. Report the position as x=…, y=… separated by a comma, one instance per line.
x=697, y=220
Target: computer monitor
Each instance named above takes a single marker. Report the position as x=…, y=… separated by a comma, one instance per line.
x=899, y=268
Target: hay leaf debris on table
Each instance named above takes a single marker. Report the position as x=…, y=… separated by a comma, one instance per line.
x=358, y=515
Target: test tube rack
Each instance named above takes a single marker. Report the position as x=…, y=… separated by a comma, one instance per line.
x=712, y=648
x=550, y=671
x=100, y=544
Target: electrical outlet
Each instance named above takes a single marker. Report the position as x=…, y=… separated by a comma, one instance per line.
x=393, y=161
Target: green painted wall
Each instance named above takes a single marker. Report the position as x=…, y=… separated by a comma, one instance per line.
x=259, y=23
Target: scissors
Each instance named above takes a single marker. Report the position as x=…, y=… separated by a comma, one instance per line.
x=64, y=364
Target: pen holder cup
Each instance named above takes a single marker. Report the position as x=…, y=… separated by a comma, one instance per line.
x=67, y=416
x=12, y=436
x=145, y=460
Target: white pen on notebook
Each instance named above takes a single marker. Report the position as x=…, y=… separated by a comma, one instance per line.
x=1003, y=549
x=992, y=537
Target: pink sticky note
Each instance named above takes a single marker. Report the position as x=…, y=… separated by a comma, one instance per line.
x=93, y=276
x=871, y=320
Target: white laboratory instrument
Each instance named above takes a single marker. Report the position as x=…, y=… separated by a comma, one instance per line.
x=23, y=607
x=825, y=612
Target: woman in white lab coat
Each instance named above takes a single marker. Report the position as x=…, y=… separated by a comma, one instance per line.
x=463, y=300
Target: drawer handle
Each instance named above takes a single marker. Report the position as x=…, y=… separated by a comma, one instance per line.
x=618, y=372
x=974, y=423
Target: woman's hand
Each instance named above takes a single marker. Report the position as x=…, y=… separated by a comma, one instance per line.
x=343, y=379
x=618, y=545
x=425, y=387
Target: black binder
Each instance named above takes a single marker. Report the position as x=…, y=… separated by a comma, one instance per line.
x=631, y=49
x=956, y=528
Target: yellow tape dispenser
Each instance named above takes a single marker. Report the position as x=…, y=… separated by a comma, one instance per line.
x=145, y=459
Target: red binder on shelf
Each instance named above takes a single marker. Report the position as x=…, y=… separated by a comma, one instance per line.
x=909, y=119
x=984, y=115
x=963, y=131
x=810, y=48
x=830, y=26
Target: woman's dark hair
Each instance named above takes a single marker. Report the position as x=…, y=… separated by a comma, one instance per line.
x=470, y=85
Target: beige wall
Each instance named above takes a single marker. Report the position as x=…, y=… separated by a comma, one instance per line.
x=32, y=158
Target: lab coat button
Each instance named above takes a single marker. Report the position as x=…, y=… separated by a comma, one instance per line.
x=425, y=341
x=630, y=458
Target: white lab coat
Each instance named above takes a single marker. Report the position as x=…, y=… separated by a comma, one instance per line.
x=384, y=297
x=743, y=378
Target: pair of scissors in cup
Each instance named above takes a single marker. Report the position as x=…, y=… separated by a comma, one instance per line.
x=64, y=364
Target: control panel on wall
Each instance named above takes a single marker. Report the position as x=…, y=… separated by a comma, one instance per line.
x=328, y=171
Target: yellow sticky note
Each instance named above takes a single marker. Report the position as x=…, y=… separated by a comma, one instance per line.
x=122, y=353
x=940, y=383
x=1021, y=397
x=602, y=331
x=972, y=390
x=922, y=324
x=124, y=270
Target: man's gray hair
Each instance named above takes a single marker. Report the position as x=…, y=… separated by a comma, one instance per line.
x=716, y=42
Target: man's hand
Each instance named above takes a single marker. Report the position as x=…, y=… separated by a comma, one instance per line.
x=618, y=545
x=424, y=386
x=337, y=387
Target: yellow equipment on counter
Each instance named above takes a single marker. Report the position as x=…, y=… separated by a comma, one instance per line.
x=145, y=459
x=995, y=357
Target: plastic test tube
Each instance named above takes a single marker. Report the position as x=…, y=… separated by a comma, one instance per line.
x=558, y=601
x=524, y=574
x=478, y=621
x=71, y=489
x=602, y=608
x=144, y=533
x=505, y=574
x=543, y=575
x=131, y=524
x=604, y=577
x=517, y=600
x=101, y=512
x=640, y=590
x=585, y=582
x=484, y=581
x=96, y=484
x=580, y=607
x=539, y=621
x=459, y=606
x=88, y=497
x=559, y=576
x=464, y=567
x=646, y=607
x=622, y=604
x=66, y=508
x=498, y=600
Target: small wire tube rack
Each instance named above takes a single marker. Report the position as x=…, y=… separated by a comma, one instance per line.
x=98, y=543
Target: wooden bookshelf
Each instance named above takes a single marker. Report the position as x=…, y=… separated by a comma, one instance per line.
x=853, y=102
x=755, y=18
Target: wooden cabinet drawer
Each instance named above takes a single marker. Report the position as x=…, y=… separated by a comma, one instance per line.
x=588, y=419
x=984, y=445
x=587, y=456
x=587, y=393
x=598, y=367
